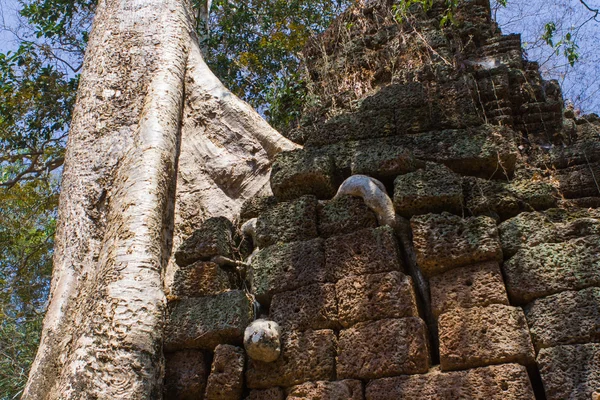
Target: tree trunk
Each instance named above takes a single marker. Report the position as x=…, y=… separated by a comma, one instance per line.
x=156, y=142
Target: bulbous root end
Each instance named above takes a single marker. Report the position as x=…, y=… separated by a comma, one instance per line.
x=262, y=340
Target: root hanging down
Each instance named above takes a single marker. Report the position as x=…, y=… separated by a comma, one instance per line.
x=374, y=195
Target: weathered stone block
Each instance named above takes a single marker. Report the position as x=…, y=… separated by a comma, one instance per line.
x=345, y=214
x=213, y=238
x=571, y=371
x=565, y=318
x=413, y=94
x=305, y=356
x=445, y=241
x=288, y=266
x=473, y=286
x=205, y=322
x=226, y=379
x=310, y=307
x=453, y=109
x=579, y=180
x=185, y=375
x=585, y=150
x=382, y=348
x=323, y=390
x=551, y=268
x=201, y=278
x=526, y=230
x=375, y=296
x=502, y=200
x=290, y=221
x=275, y=393
x=479, y=336
x=301, y=172
x=553, y=226
x=496, y=382
x=484, y=151
x=364, y=252
x=431, y=190
x=255, y=206
x=383, y=162
x=363, y=124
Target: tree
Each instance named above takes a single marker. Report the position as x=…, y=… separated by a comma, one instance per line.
x=136, y=128
x=37, y=92
x=253, y=48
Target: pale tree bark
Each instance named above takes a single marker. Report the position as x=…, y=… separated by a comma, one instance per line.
x=156, y=143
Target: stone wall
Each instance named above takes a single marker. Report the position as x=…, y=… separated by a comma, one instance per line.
x=487, y=283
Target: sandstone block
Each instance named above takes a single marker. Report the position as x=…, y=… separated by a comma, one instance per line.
x=288, y=266
x=383, y=162
x=431, y=190
x=345, y=214
x=213, y=238
x=289, y=221
x=413, y=94
x=305, y=356
x=585, y=150
x=553, y=226
x=496, y=382
x=226, y=379
x=201, y=278
x=185, y=375
x=445, y=241
x=323, y=390
x=579, y=180
x=255, y=206
x=453, y=109
x=301, y=172
x=205, y=322
x=565, y=318
x=526, y=230
x=571, y=371
x=551, y=268
x=353, y=126
x=275, y=393
x=501, y=200
x=382, y=348
x=485, y=151
x=375, y=296
x=479, y=336
x=310, y=307
x=473, y=286
x=364, y=252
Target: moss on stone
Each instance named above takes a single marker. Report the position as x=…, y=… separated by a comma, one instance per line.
x=205, y=322
x=213, y=238
x=302, y=172
x=345, y=214
x=553, y=267
x=433, y=189
x=289, y=221
x=287, y=266
x=502, y=200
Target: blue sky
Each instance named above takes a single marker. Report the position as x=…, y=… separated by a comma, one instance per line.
x=580, y=83
x=8, y=20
